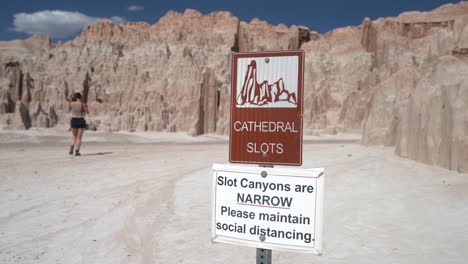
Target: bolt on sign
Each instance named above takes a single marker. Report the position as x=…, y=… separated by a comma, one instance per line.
x=269, y=208
x=266, y=108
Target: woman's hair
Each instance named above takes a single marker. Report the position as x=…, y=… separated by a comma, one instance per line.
x=76, y=96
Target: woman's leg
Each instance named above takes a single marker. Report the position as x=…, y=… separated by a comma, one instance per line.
x=75, y=134
x=78, y=139
x=72, y=146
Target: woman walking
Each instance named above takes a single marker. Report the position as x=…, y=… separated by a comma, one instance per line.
x=78, y=123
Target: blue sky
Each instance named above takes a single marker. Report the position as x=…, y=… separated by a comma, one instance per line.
x=63, y=19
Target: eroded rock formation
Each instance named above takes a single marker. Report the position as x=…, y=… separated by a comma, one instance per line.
x=401, y=81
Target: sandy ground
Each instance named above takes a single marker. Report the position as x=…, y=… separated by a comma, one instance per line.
x=146, y=198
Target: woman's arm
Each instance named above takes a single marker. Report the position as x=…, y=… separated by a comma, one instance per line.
x=85, y=107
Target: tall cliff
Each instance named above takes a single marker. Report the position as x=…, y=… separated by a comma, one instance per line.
x=401, y=81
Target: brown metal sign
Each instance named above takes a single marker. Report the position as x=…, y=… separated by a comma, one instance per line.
x=267, y=91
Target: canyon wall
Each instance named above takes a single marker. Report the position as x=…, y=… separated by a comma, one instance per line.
x=400, y=81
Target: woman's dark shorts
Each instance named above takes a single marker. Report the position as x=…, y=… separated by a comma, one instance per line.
x=78, y=123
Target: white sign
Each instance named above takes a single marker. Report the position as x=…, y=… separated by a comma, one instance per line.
x=270, y=208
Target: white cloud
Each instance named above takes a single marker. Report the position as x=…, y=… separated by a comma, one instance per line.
x=136, y=8
x=118, y=20
x=55, y=23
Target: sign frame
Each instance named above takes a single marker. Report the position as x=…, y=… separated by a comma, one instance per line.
x=236, y=142
x=316, y=173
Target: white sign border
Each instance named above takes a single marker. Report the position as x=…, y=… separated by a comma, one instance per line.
x=232, y=57
x=313, y=173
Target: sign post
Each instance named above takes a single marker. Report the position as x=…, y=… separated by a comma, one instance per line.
x=264, y=256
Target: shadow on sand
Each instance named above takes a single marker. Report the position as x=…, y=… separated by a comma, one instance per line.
x=97, y=154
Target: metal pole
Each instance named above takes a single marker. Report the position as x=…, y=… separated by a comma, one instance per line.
x=264, y=255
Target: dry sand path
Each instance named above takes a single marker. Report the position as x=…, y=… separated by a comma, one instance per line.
x=146, y=198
